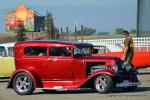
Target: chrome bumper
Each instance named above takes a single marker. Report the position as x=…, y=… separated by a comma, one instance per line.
x=126, y=83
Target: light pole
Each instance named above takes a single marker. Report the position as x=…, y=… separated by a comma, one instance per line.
x=67, y=33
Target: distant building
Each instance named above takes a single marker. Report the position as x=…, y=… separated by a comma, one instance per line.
x=27, y=18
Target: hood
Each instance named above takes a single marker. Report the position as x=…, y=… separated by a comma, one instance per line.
x=101, y=59
x=112, y=54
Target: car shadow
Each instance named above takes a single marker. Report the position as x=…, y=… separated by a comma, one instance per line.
x=139, y=89
x=66, y=92
x=118, y=90
x=142, y=89
x=144, y=73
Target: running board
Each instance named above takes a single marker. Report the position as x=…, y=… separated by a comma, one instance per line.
x=126, y=83
x=60, y=88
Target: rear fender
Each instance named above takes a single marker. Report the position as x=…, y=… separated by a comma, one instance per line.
x=36, y=80
x=94, y=75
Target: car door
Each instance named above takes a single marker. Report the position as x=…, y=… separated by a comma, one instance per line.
x=37, y=57
x=60, y=63
x=8, y=62
x=8, y=66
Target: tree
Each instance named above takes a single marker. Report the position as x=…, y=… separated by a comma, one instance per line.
x=133, y=31
x=21, y=33
x=103, y=33
x=119, y=31
x=56, y=30
x=49, y=24
x=57, y=35
x=87, y=31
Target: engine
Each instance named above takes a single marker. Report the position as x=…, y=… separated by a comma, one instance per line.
x=94, y=66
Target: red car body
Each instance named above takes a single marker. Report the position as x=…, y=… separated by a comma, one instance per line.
x=37, y=66
x=140, y=59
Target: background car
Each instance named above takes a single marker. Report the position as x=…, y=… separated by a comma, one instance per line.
x=105, y=47
x=140, y=59
x=7, y=65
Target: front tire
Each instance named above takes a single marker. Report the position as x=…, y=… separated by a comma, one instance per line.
x=23, y=84
x=103, y=83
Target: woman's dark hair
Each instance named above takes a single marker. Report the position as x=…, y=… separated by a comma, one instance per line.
x=125, y=32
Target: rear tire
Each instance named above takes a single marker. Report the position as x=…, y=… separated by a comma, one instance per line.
x=23, y=84
x=103, y=83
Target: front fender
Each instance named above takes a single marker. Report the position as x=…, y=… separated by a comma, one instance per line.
x=92, y=76
x=107, y=72
x=36, y=80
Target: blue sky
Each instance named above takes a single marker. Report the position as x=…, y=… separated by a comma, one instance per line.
x=103, y=15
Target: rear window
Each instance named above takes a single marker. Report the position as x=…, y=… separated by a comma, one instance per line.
x=35, y=51
x=2, y=51
x=10, y=51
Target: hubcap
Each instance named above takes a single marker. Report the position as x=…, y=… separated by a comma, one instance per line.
x=22, y=83
x=101, y=83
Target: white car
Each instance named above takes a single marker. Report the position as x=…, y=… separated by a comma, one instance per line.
x=7, y=65
x=105, y=47
x=6, y=49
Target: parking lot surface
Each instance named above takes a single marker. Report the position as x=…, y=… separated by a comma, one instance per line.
x=142, y=93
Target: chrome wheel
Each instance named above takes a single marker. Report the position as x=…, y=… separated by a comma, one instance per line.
x=23, y=84
x=100, y=83
x=103, y=84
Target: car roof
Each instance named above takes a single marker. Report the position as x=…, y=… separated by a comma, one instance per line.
x=11, y=44
x=58, y=42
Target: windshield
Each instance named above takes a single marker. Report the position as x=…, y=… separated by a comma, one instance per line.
x=83, y=51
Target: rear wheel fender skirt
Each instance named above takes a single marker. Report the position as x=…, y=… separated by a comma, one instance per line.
x=31, y=73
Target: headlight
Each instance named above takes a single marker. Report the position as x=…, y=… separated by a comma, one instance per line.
x=115, y=68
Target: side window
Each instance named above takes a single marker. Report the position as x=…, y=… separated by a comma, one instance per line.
x=35, y=51
x=2, y=51
x=11, y=51
x=60, y=51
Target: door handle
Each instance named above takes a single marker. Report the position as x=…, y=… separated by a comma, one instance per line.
x=50, y=59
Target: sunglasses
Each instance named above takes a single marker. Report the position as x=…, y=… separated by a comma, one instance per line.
x=124, y=34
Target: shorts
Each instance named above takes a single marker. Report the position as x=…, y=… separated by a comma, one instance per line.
x=129, y=58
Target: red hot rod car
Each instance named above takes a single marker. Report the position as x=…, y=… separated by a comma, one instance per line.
x=64, y=65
